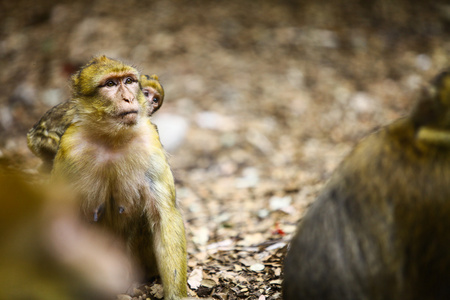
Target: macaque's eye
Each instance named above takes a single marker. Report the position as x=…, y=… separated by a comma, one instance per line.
x=155, y=100
x=146, y=93
x=110, y=83
x=129, y=80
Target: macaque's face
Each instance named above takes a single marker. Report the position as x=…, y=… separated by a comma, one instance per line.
x=121, y=91
x=154, y=99
x=153, y=92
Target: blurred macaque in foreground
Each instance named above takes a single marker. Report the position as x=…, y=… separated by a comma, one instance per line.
x=46, y=253
x=381, y=227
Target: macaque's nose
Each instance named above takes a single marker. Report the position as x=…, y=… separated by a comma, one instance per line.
x=127, y=96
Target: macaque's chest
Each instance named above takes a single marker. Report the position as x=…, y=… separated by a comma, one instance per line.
x=113, y=183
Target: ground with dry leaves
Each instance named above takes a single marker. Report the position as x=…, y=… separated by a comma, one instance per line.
x=263, y=100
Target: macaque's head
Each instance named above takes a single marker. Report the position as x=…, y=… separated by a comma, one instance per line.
x=109, y=90
x=153, y=92
x=442, y=85
x=433, y=107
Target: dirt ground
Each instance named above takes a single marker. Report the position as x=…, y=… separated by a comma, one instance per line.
x=263, y=100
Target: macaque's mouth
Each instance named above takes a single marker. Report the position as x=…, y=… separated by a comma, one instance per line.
x=128, y=113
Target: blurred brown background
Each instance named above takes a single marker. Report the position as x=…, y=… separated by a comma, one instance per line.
x=263, y=98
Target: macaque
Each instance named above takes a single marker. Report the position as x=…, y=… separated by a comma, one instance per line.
x=47, y=253
x=44, y=137
x=112, y=158
x=380, y=229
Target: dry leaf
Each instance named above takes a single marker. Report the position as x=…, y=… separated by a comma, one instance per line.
x=195, y=278
x=208, y=283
